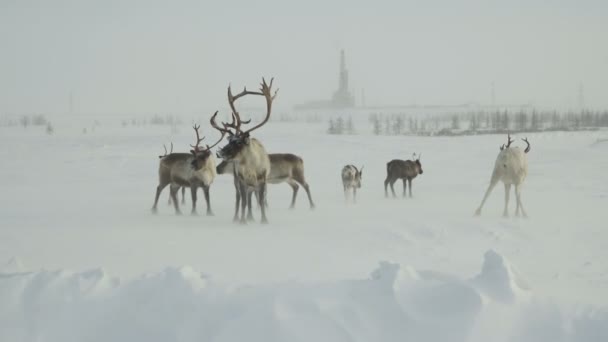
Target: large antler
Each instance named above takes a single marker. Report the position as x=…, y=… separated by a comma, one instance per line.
x=198, y=139
x=236, y=118
x=266, y=91
x=216, y=126
x=528, y=147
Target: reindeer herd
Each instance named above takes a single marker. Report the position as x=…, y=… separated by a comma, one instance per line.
x=253, y=168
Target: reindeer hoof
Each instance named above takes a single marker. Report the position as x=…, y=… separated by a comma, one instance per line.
x=194, y=213
x=154, y=210
x=478, y=212
x=243, y=221
x=178, y=213
x=210, y=213
x=264, y=220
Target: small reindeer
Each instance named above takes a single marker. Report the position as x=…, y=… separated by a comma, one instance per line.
x=402, y=169
x=251, y=162
x=183, y=187
x=511, y=168
x=194, y=169
x=284, y=167
x=351, y=179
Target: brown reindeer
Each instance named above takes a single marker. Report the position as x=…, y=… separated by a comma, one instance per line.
x=402, y=169
x=195, y=169
x=284, y=167
x=183, y=187
x=251, y=162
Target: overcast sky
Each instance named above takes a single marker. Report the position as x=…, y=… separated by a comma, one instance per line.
x=133, y=56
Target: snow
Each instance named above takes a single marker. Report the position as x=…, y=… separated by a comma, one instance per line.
x=86, y=260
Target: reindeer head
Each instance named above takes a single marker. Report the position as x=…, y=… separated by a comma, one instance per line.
x=358, y=177
x=201, y=154
x=238, y=139
x=417, y=162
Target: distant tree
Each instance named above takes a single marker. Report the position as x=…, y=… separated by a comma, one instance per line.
x=456, y=121
x=332, y=127
x=340, y=125
x=473, y=124
x=24, y=121
x=398, y=125
x=534, y=121
x=377, y=126
x=506, y=121
x=350, y=128
x=49, y=128
x=521, y=122
x=387, y=125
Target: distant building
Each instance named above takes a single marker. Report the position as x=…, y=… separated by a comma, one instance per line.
x=342, y=98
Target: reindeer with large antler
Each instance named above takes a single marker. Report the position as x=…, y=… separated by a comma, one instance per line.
x=511, y=167
x=251, y=162
x=195, y=169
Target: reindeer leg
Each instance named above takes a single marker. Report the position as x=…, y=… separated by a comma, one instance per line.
x=519, y=202
x=238, y=201
x=505, y=213
x=193, y=189
x=262, y=189
x=404, y=187
x=244, y=196
x=208, y=200
x=295, y=187
x=159, y=189
x=174, y=188
x=409, y=182
x=393, y=187
x=354, y=195
x=250, y=204
x=386, y=181
x=493, y=183
x=183, y=195
x=307, y=188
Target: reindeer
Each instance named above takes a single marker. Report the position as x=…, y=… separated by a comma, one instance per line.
x=284, y=167
x=251, y=162
x=183, y=187
x=351, y=179
x=194, y=169
x=511, y=167
x=402, y=169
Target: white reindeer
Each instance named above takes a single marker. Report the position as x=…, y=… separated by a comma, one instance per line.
x=194, y=169
x=351, y=179
x=511, y=167
x=252, y=164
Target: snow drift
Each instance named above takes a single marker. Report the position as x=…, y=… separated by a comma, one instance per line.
x=394, y=304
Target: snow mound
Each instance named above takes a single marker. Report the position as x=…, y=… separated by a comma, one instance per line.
x=396, y=303
x=499, y=280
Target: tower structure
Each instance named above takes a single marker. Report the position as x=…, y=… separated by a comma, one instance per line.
x=342, y=97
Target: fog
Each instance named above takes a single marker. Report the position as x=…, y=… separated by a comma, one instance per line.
x=159, y=56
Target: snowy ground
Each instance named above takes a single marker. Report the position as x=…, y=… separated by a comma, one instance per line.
x=86, y=260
